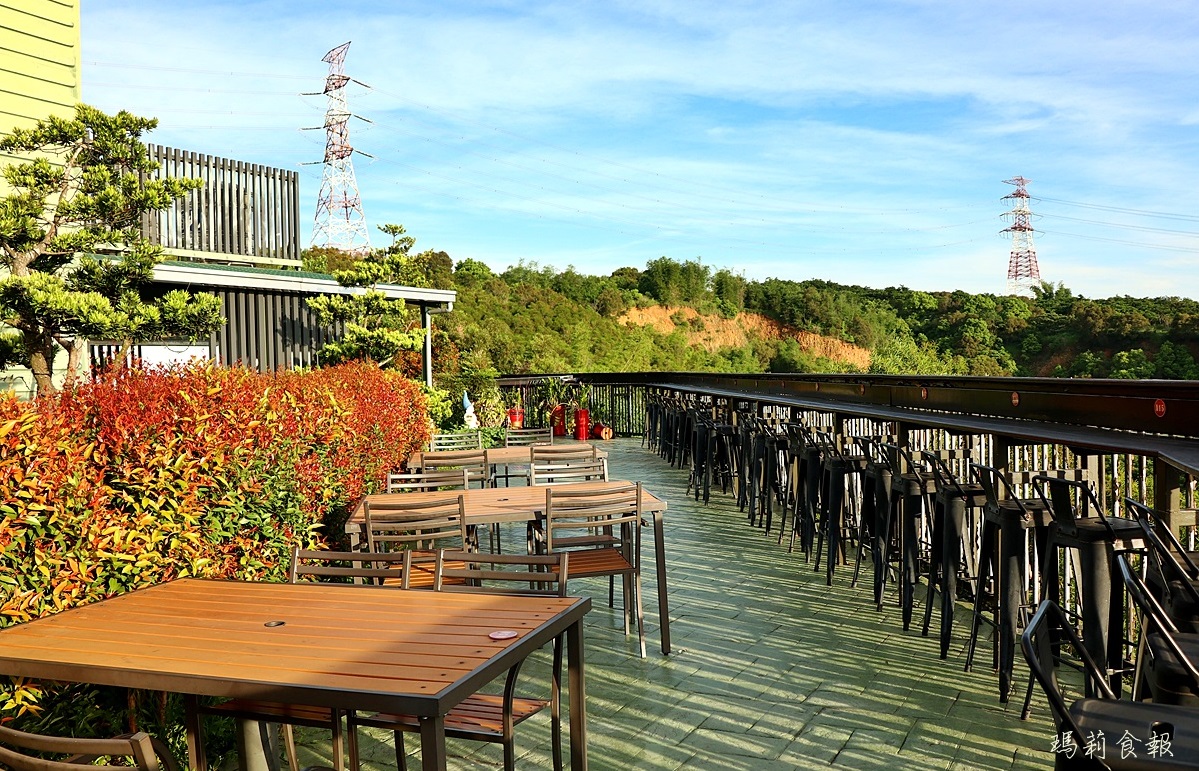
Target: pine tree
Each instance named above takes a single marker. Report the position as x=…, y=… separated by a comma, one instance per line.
x=70, y=240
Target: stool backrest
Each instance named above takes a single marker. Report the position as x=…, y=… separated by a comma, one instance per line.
x=458, y=440
x=21, y=751
x=450, y=479
x=539, y=574
x=523, y=437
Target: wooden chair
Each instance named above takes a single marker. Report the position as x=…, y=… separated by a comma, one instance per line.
x=479, y=472
x=418, y=529
x=521, y=437
x=457, y=440
x=334, y=566
x=449, y=479
x=474, y=462
x=601, y=529
x=568, y=473
x=21, y=751
x=491, y=717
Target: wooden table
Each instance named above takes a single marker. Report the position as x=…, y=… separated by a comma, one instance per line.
x=352, y=647
x=520, y=504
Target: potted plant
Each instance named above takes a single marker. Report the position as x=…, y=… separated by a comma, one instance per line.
x=552, y=392
x=582, y=407
x=516, y=409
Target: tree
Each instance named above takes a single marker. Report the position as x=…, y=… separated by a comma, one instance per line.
x=1131, y=365
x=1175, y=362
x=85, y=189
x=327, y=259
x=375, y=328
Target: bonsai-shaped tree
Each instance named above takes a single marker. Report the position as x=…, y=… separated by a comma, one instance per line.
x=375, y=328
x=69, y=236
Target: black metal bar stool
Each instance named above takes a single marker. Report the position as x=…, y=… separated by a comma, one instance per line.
x=951, y=501
x=911, y=488
x=874, y=531
x=841, y=467
x=1079, y=523
x=1003, y=554
x=796, y=483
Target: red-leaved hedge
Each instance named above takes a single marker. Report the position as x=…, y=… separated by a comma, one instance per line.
x=145, y=476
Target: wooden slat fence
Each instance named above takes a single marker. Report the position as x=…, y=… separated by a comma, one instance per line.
x=244, y=209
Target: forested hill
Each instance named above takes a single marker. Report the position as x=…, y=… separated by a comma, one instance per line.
x=684, y=316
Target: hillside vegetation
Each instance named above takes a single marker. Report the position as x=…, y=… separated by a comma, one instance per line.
x=684, y=316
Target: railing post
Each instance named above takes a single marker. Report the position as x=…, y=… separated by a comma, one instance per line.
x=1167, y=497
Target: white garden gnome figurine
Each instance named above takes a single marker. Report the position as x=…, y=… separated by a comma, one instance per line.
x=471, y=420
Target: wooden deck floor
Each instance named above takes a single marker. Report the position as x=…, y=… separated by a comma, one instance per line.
x=771, y=669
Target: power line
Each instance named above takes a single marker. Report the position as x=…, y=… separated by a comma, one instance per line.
x=1125, y=210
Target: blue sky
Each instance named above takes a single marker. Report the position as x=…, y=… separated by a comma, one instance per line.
x=856, y=142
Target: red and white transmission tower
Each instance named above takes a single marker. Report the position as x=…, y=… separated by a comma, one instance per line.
x=340, y=221
x=1022, y=271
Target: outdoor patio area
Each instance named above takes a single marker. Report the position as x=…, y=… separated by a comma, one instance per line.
x=771, y=669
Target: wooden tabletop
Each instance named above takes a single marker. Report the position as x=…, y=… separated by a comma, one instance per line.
x=496, y=504
x=365, y=648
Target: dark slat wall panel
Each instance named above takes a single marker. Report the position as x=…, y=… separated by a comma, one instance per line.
x=269, y=330
x=244, y=208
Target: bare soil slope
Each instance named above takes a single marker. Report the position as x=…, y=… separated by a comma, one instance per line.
x=714, y=332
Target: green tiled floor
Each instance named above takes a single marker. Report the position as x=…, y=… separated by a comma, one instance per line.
x=771, y=669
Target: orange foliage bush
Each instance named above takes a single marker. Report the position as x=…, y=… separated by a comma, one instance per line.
x=146, y=476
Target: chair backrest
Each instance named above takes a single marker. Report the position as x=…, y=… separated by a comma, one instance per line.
x=564, y=453
x=592, y=512
x=943, y=475
x=1062, y=496
x=1166, y=549
x=993, y=482
x=541, y=574
x=1154, y=618
x=475, y=462
x=522, y=437
x=567, y=473
x=458, y=440
x=398, y=524
x=21, y=751
x=909, y=464
x=449, y=479
x=1049, y=625
x=349, y=566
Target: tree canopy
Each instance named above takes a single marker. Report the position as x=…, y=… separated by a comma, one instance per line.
x=78, y=265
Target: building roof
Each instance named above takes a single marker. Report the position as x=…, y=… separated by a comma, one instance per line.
x=206, y=275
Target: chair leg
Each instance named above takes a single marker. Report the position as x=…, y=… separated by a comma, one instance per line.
x=337, y=742
x=289, y=745
x=986, y=554
x=401, y=753
x=556, y=705
x=355, y=760
x=640, y=612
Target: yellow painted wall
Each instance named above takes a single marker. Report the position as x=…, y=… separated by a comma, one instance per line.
x=39, y=60
x=39, y=76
